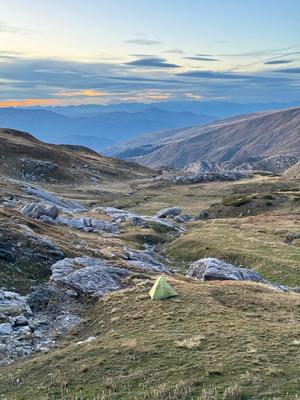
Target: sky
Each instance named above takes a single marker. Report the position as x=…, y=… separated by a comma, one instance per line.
x=63, y=52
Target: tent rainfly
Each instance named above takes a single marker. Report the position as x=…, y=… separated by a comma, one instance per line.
x=161, y=290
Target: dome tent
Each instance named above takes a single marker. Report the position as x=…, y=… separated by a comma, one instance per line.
x=161, y=289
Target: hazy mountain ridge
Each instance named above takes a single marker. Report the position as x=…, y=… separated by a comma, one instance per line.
x=120, y=125
x=238, y=140
x=217, y=108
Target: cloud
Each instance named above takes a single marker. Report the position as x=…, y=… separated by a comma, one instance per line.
x=143, y=41
x=6, y=28
x=295, y=70
x=201, y=58
x=194, y=96
x=83, y=93
x=275, y=62
x=174, y=51
x=152, y=62
x=29, y=102
x=61, y=81
x=212, y=75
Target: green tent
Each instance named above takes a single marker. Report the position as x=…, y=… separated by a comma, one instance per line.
x=161, y=290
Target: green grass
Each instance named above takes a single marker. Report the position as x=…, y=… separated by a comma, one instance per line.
x=249, y=348
x=255, y=242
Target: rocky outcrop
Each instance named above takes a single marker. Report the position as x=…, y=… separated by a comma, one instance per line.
x=30, y=323
x=50, y=214
x=145, y=259
x=214, y=269
x=87, y=276
x=208, y=269
x=92, y=225
x=65, y=205
x=40, y=209
x=121, y=216
x=183, y=179
x=169, y=212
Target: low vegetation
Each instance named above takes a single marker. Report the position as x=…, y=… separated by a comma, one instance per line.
x=220, y=340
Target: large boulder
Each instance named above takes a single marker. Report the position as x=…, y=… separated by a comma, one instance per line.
x=87, y=276
x=208, y=269
x=36, y=210
x=65, y=205
x=169, y=212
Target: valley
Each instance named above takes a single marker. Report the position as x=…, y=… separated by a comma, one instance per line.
x=85, y=245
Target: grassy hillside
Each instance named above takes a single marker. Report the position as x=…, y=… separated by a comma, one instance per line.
x=215, y=341
x=26, y=158
x=220, y=340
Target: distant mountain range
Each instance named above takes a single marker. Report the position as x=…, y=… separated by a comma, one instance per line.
x=238, y=140
x=219, y=109
x=97, y=131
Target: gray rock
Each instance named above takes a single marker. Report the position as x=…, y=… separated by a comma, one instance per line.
x=48, y=220
x=22, y=331
x=36, y=210
x=215, y=269
x=63, y=204
x=290, y=236
x=45, y=243
x=34, y=323
x=145, y=259
x=169, y=212
x=99, y=225
x=43, y=295
x=62, y=220
x=87, y=276
x=160, y=221
x=20, y=320
x=6, y=329
x=120, y=216
x=11, y=302
x=183, y=218
x=80, y=223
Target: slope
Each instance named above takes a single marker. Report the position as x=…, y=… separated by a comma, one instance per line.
x=236, y=140
x=26, y=158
